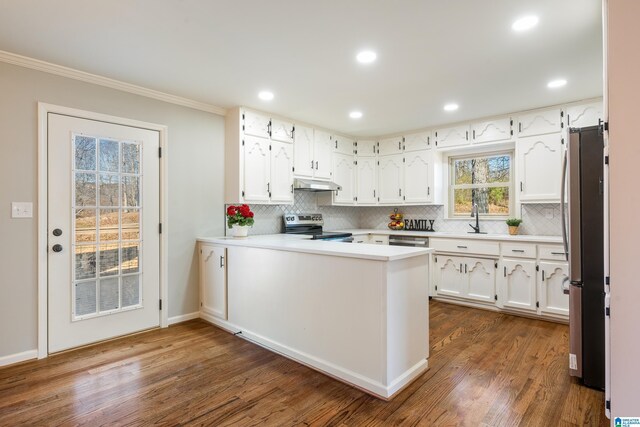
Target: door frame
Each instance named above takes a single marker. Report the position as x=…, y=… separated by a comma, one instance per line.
x=43, y=112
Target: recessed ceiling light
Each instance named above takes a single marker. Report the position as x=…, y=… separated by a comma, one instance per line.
x=451, y=107
x=525, y=23
x=355, y=114
x=265, y=95
x=556, y=83
x=366, y=56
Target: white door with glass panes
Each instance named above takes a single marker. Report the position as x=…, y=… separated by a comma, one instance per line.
x=519, y=284
x=390, y=174
x=103, y=231
x=322, y=150
x=281, y=177
x=303, y=152
x=257, y=159
x=366, y=180
x=418, y=177
x=540, y=167
x=344, y=176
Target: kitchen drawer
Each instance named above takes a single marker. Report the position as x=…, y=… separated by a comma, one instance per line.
x=461, y=246
x=379, y=239
x=520, y=250
x=362, y=238
x=555, y=252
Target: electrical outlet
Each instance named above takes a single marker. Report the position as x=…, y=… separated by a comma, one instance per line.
x=21, y=210
x=548, y=213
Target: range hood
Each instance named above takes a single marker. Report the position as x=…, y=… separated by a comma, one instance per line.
x=314, y=185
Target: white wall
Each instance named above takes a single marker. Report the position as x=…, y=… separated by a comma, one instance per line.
x=624, y=151
x=196, y=178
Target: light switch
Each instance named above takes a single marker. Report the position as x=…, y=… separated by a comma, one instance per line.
x=21, y=210
x=548, y=213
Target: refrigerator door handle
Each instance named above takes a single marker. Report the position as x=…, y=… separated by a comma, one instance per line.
x=563, y=213
x=574, y=205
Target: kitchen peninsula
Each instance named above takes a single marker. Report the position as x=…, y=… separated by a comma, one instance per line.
x=358, y=313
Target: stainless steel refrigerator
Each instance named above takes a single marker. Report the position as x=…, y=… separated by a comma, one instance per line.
x=583, y=234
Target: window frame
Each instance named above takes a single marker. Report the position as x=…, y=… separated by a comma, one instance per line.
x=451, y=187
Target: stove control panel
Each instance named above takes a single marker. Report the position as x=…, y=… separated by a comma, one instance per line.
x=293, y=219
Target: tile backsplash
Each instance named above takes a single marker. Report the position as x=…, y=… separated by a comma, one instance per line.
x=538, y=219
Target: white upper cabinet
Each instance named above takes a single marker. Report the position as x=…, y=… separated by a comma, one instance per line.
x=344, y=175
x=390, y=174
x=322, y=150
x=417, y=141
x=539, y=167
x=418, y=177
x=255, y=124
x=584, y=115
x=257, y=170
x=519, y=284
x=492, y=131
x=281, y=182
x=452, y=137
x=366, y=179
x=366, y=148
x=541, y=122
x=343, y=145
x=390, y=146
x=281, y=131
x=303, y=151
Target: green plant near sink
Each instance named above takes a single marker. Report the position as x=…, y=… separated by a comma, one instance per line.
x=514, y=224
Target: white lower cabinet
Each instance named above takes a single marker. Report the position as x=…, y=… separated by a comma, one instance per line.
x=213, y=280
x=463, y=277
x=553, y=300
x=519, y=284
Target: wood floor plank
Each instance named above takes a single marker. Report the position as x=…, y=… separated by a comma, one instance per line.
x=485, y=369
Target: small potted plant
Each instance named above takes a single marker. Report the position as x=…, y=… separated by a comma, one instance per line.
x=513, y=224
x=239, y=219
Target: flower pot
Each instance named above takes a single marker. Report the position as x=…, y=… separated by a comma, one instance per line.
x=513, y=230
x=239, y=230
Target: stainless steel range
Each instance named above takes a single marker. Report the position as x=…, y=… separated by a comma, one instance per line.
x=312, y=224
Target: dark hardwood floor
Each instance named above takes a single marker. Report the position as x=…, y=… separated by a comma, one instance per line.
x=486, y=369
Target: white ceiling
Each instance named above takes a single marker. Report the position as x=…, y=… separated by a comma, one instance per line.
x=430, y=52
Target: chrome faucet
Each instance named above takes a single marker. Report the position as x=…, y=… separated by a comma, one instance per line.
x=474, y=213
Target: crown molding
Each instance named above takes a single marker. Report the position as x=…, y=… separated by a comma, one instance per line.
x=59, y=70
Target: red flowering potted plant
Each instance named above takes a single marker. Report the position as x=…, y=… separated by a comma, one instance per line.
x=239, y=219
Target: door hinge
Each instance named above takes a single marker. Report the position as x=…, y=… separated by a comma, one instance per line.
x=269, y=147
x=243, y=142
x=561, y=119
x=378, y=162
x=243, y=194
x=496, y=265
x=607, y=280
x=293, y=132
x=607, y=404
x=378, y=198
x=160, y=228
x=537, y=268
x=293, y=169
x=495, y=297
x=602, y=126
x=355, y=162
x=607, y=311
x=538, y=304
x=436, y=287
x=159, y=151
x=436, y=258
x=404, y=160
x=606, y=160
x=160, y=305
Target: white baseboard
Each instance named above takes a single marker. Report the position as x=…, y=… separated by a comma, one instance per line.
x=18, y=357
x=183, y=317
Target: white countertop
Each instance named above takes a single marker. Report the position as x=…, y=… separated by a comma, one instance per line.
x=504, y=237
x=303, y=243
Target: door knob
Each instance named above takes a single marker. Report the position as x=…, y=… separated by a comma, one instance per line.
x=57, y=232
x=57, y=248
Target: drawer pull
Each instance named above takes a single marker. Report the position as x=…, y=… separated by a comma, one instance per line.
x=462, y=247
x=517, y=250
x=558, y=253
